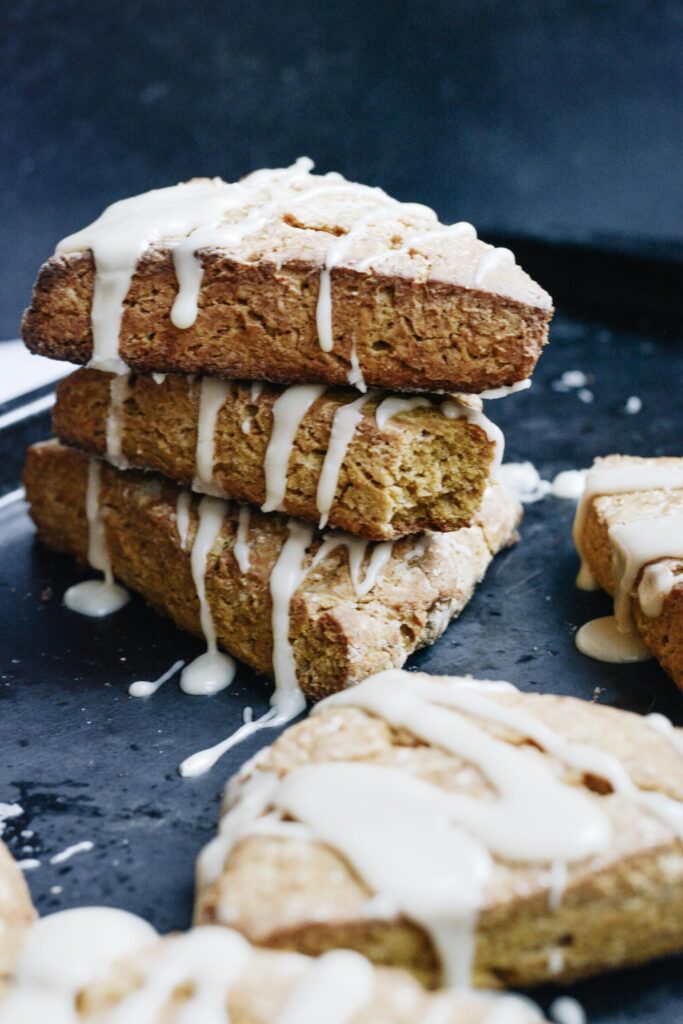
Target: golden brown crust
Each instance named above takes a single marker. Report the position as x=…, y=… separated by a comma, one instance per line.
x=662, y=635
x=257, y=321
x=423, y=472
x=337, y=638
x=620, y=907
x=16, y=912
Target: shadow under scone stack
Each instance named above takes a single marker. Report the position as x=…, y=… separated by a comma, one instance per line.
x=252, y=345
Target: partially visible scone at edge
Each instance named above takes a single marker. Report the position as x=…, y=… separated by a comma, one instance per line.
x=339, y=628
x=457, y=829
x=412, y=305
x=210, y=970
x=419, y=470
x=16, y=912
x=647, y=491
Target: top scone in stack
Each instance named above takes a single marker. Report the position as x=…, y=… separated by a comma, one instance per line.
x=240, y=341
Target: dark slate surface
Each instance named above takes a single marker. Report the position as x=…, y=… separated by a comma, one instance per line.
x=87, y=762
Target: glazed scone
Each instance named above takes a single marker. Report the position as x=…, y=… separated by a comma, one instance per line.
x=16, y=912
x=339, y=628
x=458, y=829
x=421, y=469
x=629, y=532
x=102, y=966
x=299, y=278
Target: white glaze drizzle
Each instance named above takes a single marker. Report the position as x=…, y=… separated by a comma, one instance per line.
x=357, y=549
x=120, y=236
x=182, y=516
x=64, y=952
x=213, y=670
x=335, y=987
x=145, y=688
x=212, y=398
x=344, y=424
x=491, y=260
x=657, y=582
x=665, y=727
x=566, y=1010
x=289, y=410
x=462, y=229
x=437, y=869
x=394, y=406
x=491, y=394
x=622, y=478
x=254, y=394
x=635, y=545
x=601, y=639
x=96, y=598
x=159, y=378
x=119, y=387
x=241, y=546
x=85, y=846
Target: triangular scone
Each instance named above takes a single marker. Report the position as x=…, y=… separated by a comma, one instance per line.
x=415, y=813
x=340, y=626
x=633, y=512
x=101, y=966
x=16, y=912
x=299, y=277
x=376, y=465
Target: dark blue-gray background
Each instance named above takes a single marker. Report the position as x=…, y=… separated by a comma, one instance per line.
x=558, y=119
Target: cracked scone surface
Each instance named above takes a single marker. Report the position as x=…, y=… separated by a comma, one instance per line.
x=16, y=912
x=417, y=319
x=423, y=471
x=620, y=906
x=337, y=638
x=394, y=998
x=663, y=634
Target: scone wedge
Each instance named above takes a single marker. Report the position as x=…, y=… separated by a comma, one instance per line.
x=339, y=624
x=423, y=467
x=629, y=533
x=16, y=912
x=289, y=277
x=458, y=829
x=114, y=969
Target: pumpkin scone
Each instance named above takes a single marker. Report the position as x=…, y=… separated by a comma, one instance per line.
x=459, y=829
x=103, y=966
x=377, y=465
x=291, y=277
x=316, y=611
x=16, y=912
x=629, y=535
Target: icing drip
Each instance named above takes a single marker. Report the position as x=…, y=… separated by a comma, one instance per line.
x=665, y=727
x=493, y=393
x=634, y=545
x=241, y=548
x=655, y=585
x=355, y=374
x=335, y=988
x=288, y=412
x=344, y=426
x=565, y=1010
x=212, y=397
x=460, y=230
x=120, y=236
x=96, y=598
x=357, y=549
x=391, y=407
x=64, y=952
x=118, y=392
x=287, y=701
x=254, y=395
x=159, y=378
x=144, y=688
x=182, y=516
x=436, y=872
x=493, y=259
x=618, y=479
x=601, y=639
x=213, y=670
x=462, y=409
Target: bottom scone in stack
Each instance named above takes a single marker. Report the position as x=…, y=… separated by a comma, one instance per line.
x=316, y=531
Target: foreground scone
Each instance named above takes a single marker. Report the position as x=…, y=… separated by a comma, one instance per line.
x=376, y=465
x=629, y=534
x=103, y=966
x=318, y=612
x=459, y=829
x=16, y=912
x=290, y=277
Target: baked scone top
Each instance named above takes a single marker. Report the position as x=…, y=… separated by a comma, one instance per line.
x=433, y=799
x=102, y=965
x=16, y=911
